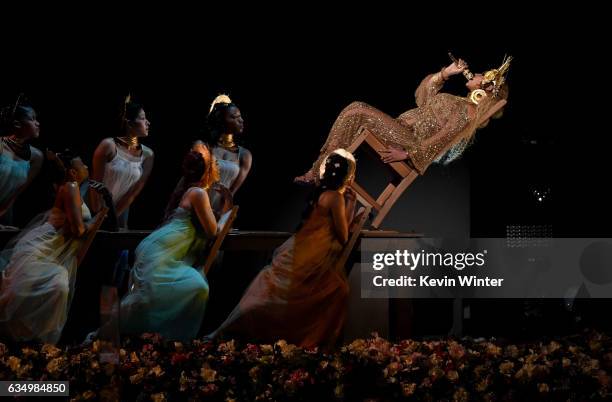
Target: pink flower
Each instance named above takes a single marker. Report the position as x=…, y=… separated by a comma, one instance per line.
x=455, y=350
x=178, y=358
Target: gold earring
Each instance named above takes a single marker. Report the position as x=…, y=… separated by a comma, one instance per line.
x=477, y=95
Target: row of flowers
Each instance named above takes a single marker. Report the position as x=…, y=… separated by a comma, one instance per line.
x=149, y=368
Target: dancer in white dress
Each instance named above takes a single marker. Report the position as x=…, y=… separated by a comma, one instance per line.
x=122, y=163
x=39, y=267
x=224, y=124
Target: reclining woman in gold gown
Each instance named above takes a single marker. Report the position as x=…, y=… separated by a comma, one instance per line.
x=419, y=135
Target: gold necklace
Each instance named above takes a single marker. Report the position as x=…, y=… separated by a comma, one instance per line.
x=227, y=141
x=129, y=142
x=18, y=146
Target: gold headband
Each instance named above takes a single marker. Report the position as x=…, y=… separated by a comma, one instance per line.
x=497, y=76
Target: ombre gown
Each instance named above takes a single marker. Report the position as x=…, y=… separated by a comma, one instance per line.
x=38, y=281
x=166, y=293
x=301, y=296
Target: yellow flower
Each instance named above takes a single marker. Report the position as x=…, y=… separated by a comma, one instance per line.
x=512, y=351
x=157, y=371
x=56, y=365
x=14, y=363
x=138, y=377
x=455, y=350
x=543, y=388
x=392, y=369
x=493, y=350
x=285, y=348
x=227, y=347
x=134, y=358
x=408, y=389
x=159, y=397
x=267, y=349
x=27, y=352
x=357, y=346
x=208, y=374
x=50, y=351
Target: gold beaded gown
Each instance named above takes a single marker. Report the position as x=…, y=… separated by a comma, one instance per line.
x=438, y=120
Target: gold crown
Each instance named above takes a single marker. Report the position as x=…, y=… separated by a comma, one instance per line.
x=497, y=76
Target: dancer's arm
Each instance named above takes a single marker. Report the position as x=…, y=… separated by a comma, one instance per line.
x=433, y=83
x=103, y=153
x=71, y=201
x=201, y=205
x=246, y=159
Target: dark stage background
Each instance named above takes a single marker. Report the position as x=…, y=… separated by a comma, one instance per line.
x=291, y=83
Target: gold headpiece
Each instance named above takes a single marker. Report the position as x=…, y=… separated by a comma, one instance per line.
x=497, y=76
x=219, y=99
x=17, y=102
x=126, y=102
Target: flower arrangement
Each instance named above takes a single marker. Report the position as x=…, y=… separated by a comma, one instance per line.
x=153, y=369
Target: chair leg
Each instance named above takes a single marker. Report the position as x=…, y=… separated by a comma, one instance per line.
x=382, y=198
x=364, y=197
x=393, y=199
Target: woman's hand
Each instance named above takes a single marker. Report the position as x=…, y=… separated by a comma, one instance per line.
x=391, y=155
x=455, y=68
x=349, y=195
